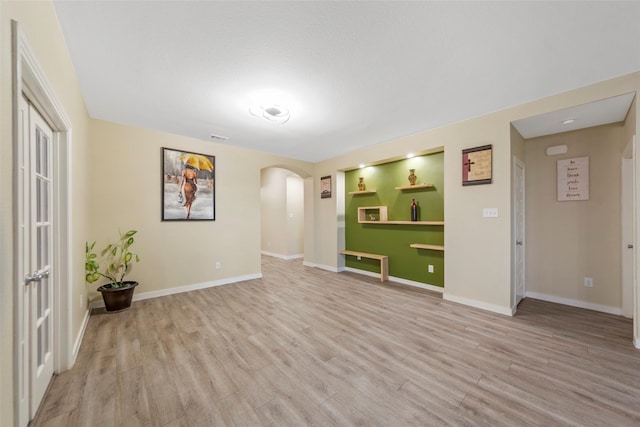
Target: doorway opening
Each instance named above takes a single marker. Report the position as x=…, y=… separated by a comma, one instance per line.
x=282, y=200
x=575, y=248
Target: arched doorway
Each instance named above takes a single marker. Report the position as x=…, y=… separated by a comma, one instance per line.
x=282, y=200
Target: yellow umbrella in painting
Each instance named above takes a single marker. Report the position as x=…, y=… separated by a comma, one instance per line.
x=196, y=161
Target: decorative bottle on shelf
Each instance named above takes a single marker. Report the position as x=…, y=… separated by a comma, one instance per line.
x=412, y=177
x=414, y=210
x=361, y=186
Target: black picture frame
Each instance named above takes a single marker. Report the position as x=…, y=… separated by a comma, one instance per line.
x=477, y=165
x=194, y=170
x=325, y=187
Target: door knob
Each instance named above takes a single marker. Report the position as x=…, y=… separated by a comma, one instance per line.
x=519, y=242
x=629, y=246
x=36, y=277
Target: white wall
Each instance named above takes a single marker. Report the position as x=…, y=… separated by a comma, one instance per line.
x=310, y=243
x=127, y=194
x=273, y=202
x=568, y=241
x=295, y=216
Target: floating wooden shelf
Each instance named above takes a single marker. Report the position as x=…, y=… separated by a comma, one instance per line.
x=362, y=192
x=379, y=212
x=414, y=187
x=404, y=222
x=425, y=246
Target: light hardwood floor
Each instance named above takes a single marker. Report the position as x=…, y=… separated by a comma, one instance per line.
x=303, y=346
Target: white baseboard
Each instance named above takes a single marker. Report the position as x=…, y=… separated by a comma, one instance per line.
x=427, y=286
x=321, y=266
x=326, y=267
x=479, y=304
x=80, y=337
x=575, y=303
x=514, y=310
x=187, y=288
x=363, y=272
x=396, y=279
x=287, y=257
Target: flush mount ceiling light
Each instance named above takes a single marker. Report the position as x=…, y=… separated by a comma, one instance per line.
x=274, y=113
x=568, y=121
x=410, y=155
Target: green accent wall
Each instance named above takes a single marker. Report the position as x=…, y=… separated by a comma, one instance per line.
x=393, y=240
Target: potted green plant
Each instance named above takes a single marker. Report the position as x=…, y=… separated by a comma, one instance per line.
x=116, y=258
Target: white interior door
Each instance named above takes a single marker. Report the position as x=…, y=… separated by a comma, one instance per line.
x=627, y=204
x=36, y=242
x=519, y=227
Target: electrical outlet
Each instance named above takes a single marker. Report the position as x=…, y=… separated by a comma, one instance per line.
x=430, y=268
x=218, y=265
x=588, y=282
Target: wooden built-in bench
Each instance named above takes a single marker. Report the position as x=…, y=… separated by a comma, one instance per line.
x=384, y=262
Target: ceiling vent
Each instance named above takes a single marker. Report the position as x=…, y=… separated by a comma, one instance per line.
x=218, y=137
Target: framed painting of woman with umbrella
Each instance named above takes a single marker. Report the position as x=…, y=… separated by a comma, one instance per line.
x=188, y=186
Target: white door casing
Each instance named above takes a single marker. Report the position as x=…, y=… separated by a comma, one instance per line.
x=28, y=79
x=22, y=267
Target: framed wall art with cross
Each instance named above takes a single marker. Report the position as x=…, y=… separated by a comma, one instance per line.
x=476, y=165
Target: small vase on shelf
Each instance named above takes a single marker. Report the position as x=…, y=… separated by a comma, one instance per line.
x=414, y=210
x=361, y=185
x=412, y=177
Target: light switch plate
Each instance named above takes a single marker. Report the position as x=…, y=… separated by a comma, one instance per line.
x=490, y=212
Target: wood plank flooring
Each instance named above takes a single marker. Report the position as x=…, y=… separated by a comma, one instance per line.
x=303, y=346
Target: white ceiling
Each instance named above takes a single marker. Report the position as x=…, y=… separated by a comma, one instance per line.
x=602, y=112
x=353, y=74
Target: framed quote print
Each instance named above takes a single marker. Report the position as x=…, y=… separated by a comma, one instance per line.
x=573, y=179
